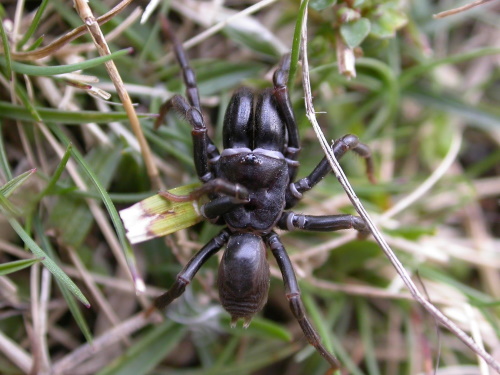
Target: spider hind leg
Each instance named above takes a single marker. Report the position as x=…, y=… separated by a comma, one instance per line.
x=293, y=295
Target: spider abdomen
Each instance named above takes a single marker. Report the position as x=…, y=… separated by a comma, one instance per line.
x=243, y=278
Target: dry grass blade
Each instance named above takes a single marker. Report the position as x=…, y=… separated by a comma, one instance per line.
x=16, y=353
x=310, y=113
x=461, y=9
x=345, y=58
x=92, y=25
x=97, y=295
x=67, y=38
x=423, y=188
x=111, y=336
x=220, y=25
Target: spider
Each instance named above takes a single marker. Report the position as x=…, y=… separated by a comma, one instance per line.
x=250, y=184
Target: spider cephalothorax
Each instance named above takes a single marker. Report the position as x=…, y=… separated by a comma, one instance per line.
x=250, y=184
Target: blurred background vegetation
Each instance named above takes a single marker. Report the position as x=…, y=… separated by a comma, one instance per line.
x=423, y=94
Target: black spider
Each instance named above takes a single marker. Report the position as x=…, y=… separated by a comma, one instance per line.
x=250, y=184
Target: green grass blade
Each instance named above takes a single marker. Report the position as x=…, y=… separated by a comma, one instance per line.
x=7, y=189
x=73, y=306
x=225, y=356
x=36, y=43
x=57, y=174
x=34, y=70
x=365, y=323
x=258, y=39
x=214, y=76
x=410, y=75
x=4, y=161
x=6, y=50
x=32, y=245
x=8, y=208
x=71, y=216
x=255, y=358
x=33, y=25
x=47, y=262
x=295, y=54
x=15, y=112
x=148, y=351
x=17, y=265
x=153, y=138
x=28, y=104
x=108, y=203
x=390, y=92
x=329, y=339
x=480, y=116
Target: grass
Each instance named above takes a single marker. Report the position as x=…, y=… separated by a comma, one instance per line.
x=423, y=97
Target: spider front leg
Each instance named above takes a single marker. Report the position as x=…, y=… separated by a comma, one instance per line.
x=293, y=295
x=201, y=142
x=190, y=270
x=340, y=147
x=204, y=149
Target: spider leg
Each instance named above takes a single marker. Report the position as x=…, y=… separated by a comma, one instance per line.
x=293, y=295
x=201, y=142
x=339, y=148
x=188, y=75
x=330, y=223
x=204, y=148
x=187, y=274
x=283, y=99
x=237, y=192
x=219, y=206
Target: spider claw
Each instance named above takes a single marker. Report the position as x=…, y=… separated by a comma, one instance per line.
x=363, y=235
x=247, y=322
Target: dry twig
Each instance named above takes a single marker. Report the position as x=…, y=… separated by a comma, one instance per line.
x=461, y=9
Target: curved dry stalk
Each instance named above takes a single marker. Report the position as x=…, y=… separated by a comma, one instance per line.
x=220, y=25
x=423, y=188
x=111, y=336
x=337, y=170
x=461, y=9
x=51, y=48
x=110, y=36
x=92, y=25
x=96, y=293
x=39, y=314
